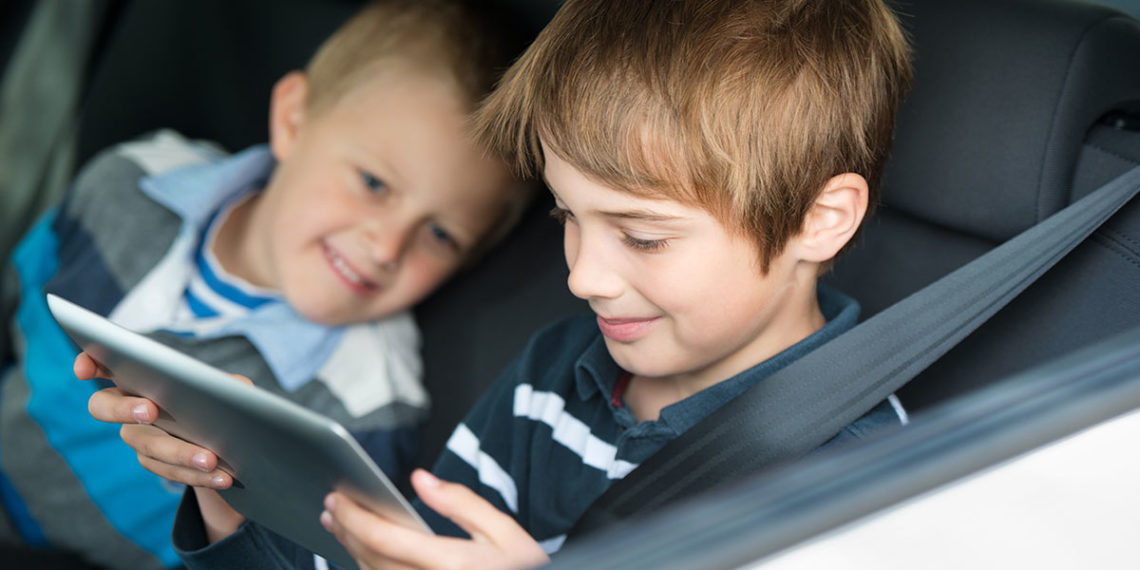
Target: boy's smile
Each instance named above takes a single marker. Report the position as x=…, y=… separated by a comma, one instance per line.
x=679, y=298
x=352, y=278
x=375, y=201
x=625, y=329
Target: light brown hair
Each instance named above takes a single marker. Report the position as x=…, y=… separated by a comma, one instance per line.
x=745, y=108
x=440, y=36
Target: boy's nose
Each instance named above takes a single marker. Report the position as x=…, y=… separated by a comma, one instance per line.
x=387, y=245
x=590, y=273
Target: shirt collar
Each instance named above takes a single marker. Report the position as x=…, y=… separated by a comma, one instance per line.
x=196, y=192
x=293, y=347
x=596, y=372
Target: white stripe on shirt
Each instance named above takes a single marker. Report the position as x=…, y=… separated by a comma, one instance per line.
x=377, y=364
x=464, y=444
x=549, y=408
x=208, y=296
x=164, y=152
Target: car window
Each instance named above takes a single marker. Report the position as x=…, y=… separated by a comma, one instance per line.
x=1070, y=504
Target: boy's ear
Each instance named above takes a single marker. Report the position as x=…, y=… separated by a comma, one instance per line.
x=834, y=218
x=287, y=112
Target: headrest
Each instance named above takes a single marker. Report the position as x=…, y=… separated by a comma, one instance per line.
x=206, y=68
x=1003, y=95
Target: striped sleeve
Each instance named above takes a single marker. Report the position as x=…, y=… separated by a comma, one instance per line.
x=520, y=433
x=469, y=460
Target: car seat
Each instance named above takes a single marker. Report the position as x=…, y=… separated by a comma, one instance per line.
x=1018, y=108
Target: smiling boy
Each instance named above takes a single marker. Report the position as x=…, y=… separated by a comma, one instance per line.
x=679, y=300
x=709, y=159
x=294, y=263
x=373, y=202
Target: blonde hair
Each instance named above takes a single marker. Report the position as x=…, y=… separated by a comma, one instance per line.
x=439, y=36
x=745, y=108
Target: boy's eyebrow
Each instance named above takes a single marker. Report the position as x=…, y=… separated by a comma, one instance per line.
x=645, y=215
x=634, y=214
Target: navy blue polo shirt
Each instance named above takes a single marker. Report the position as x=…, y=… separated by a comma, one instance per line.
x=549, y=437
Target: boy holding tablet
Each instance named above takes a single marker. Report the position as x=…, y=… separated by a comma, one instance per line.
x=294, y=263
x=709, y=159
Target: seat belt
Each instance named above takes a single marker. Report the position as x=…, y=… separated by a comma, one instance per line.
x=803, y=405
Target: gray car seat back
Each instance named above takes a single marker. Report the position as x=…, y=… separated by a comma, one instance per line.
x=1018, y=108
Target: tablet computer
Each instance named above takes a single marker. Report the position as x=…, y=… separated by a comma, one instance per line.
x=284, y=457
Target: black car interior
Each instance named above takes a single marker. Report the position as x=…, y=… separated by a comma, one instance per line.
x=1019, y=107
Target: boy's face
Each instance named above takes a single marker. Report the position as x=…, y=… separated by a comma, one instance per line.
x=677, y=295
x=375, y=202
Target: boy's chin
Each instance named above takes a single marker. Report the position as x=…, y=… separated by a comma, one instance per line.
x=329, y=316
x=636, y=360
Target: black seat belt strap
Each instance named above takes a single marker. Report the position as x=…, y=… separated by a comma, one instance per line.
x=803, y=405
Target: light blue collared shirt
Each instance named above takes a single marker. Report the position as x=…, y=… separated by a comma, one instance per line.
x=293, y=347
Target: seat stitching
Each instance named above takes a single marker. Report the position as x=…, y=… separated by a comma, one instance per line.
x=1114, y=153
x=1110, y=243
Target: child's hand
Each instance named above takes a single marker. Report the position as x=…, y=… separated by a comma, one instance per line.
x=159, y=452
x=497, y=540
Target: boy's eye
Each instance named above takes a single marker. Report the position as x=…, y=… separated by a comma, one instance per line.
x=646, y=245
x=441, y=235
x=373, y=183
x=562, y=215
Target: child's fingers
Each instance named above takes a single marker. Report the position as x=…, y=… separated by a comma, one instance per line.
x=112, y=405
x=216, y=479
x=482, y=520
x=173, y=458
x=374, y=541
x=86, y=368
x=378, y=543
x=242, y=378
x=155, y=443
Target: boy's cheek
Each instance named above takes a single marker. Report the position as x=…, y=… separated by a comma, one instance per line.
x=423, y=275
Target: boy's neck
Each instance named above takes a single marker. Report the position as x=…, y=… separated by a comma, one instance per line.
x=233, y=243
